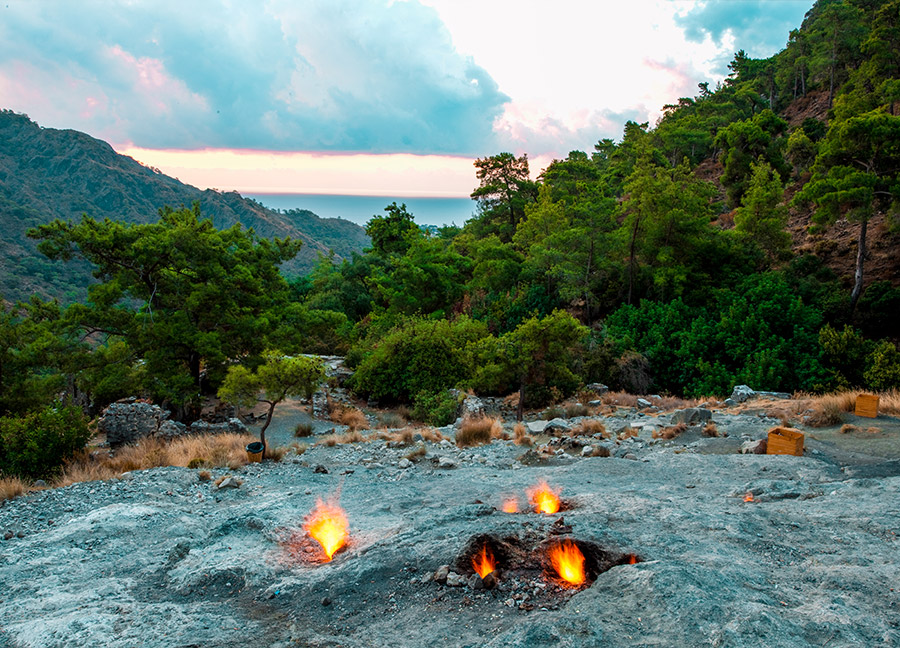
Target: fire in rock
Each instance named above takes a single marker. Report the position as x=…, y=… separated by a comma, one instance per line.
x=748, y=497
x=511, y=505
x=568, y=561
x=327, y=524
x=544, y=499
x=483, y=562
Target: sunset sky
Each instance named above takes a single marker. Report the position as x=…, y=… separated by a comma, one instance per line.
x=369, y=97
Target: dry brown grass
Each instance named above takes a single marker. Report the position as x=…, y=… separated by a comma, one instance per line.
x=497, y=431
x=11, y=487
x=474, y=432
x=351, y=417
x=627, y=433
x=600, y=451
x=350, y=436
x=619, y=399
x=710, y=430
x=213, y=450
x=521, y=436
x=574, y=410
x=276, y=454
x=590, y=427
x=390, y=420
x=204, y=475
x=418, y=453
x=670, y=432
x=827, y=411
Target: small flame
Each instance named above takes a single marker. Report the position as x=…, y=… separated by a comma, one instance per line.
x=568, y=561
x=327, y=524
x=484, y=562
x=511, y=505
x=632, y=559
x=544, y=499
x=748, y=497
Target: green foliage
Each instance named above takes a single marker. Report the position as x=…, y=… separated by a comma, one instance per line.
x=843, y=353
x=762, y=216
x=179, y=292
x=418, y=355
x=36, y=444
x=435, y=408
x=394, y=233
x=504, y=190
x=883, y=367
x=744, y=142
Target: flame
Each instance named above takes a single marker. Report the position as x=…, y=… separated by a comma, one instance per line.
x=327, y=524
x=632, y=559
x=568, y=561
x=484, y=562
x=544, y=499
x=511, y=505
x=748, y=497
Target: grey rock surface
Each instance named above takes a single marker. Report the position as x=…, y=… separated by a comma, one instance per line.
x=692, y=416
x=163, y=559
x=129, y=421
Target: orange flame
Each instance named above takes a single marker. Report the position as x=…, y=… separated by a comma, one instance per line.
x=748, y=497
x=484, y=562
x=632, y=559
x=544, y=499
x=327, y=524
x=568, y=561
x=511, y=505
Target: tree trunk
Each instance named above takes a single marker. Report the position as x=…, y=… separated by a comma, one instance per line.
x=521, y=407
x=262, y=432
x=860, y=260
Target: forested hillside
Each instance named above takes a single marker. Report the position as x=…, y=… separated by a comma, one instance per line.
x=47, y=173
x=747, y=237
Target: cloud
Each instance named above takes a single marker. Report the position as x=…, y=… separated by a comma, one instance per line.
x=759, y=27
x=338, y=75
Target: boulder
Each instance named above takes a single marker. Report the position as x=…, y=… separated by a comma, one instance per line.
x=171, y=429
x=536, y=427
x=754, y=447
x=643, y=402
x=691, y=416
x=557, y=424
x=129, y=421
x=231, y=426
x=742, y=393
x=597, y=388
x=471, y=407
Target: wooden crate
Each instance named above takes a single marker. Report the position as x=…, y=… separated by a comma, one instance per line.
x=784, y=440
x=867, y=405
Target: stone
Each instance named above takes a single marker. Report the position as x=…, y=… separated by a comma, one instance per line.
x=742, y=393
x=630, y=456
x=595, y=403
x=643, y=402
x=440, y=576
x=754, y=447
x=471, y=407
x=40, y=483
x=779, y=395
x=489, y=581
x=231, y=426
x=171, y=429
x=597, y=388
x=691, y=416
x=229, y=482
x=405, y=463
x=730, y=402
x=475, y=582
x=587, y=451
x=9, y=535
x=558, y=424
x=536, y=427
x=129, y=420
x=455, y=580
x=320, y=469
x=446, y=463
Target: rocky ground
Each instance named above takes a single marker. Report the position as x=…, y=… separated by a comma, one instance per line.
x=163, y=558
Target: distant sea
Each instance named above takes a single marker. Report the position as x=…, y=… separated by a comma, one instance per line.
x=359, y=209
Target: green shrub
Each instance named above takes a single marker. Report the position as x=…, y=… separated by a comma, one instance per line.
x=36, y=444
x=883, y=367
x=435, y=408
x=303, y=430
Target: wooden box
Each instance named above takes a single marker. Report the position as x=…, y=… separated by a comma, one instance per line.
x=867, y=405
x=784, y=440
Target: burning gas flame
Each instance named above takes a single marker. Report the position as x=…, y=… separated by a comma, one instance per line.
x=483, y=562
x=748, y=497
x=632, y=559
x=568, y=561
x=544, y=499
x=327, y=524
x=511, y=505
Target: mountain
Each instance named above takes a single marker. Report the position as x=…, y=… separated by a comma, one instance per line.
x=47, y=173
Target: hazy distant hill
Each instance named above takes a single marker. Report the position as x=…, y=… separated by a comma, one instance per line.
x=47, y=173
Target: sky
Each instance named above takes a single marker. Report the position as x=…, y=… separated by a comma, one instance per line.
x=365, y=97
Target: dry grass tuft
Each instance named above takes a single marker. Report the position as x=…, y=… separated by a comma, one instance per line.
x=521, y=436
x=352, y=418
x=204, y=475
x=11, y=487
x=299, y=448
x=619, y=399
x=213, y=450
x=590, y=427
x=350, y=436
x=828, y=410
x=670, y=432
x=418, y=453
x=627, y=433
x=710, y=430
x=276, y=454
x=303, y=430
x=497, y=431
x=576, y=409
x=474, y=432
x=600, y=451
x=389, y=420
x=430, y=434
x=849, y=428
x=553, y=412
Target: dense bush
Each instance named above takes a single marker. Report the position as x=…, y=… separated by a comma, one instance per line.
x=419, y=355
x=437, y=409
x=36, y=444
